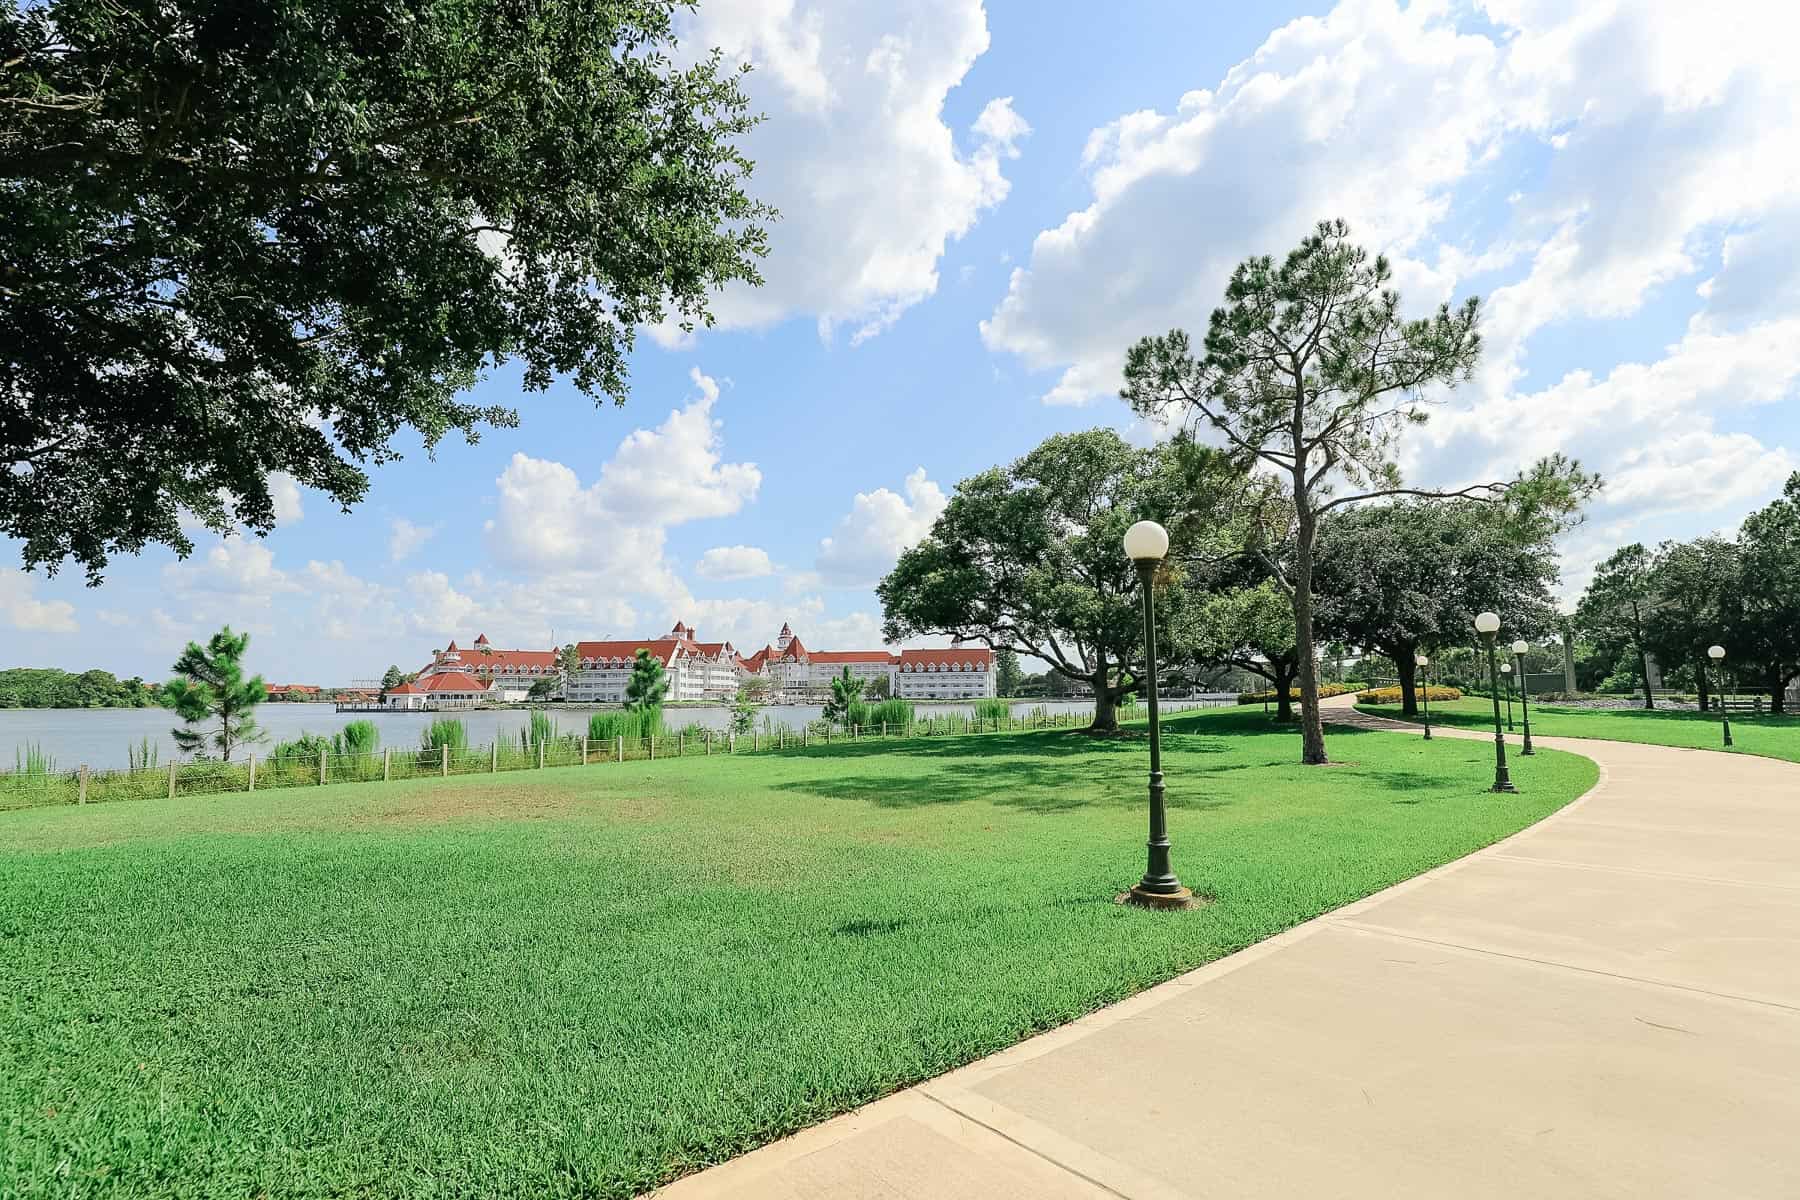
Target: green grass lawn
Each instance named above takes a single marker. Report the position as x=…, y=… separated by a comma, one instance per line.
x=584, y=981
x=1773, y=737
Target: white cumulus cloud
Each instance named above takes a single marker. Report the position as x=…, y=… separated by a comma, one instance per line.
x=722, y=563
x=879, y=525
x=869, y=179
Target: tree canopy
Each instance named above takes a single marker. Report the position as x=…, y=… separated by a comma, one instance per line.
x=1029, y=558
x=1613, y=608
x=1411, y=575
x=252, y=238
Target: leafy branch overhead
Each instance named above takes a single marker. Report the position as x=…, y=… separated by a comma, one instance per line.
x=243, y=239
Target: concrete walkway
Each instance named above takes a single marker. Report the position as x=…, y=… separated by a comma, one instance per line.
x=1606, y=1004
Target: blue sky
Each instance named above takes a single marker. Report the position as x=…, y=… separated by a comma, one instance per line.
x=983, y=206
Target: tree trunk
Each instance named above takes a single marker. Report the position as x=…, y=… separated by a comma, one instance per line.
x=1106, y=704
x=1637, y=639
x=1777, y=693
x=1284, y=693
x=1705, y=691
x=1312, y=727
x=1409, y=674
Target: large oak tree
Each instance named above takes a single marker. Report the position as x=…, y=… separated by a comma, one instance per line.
x=1411, y=575
x=239, y=239
x=1028, y=558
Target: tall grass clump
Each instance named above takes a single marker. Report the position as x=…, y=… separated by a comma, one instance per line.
x=891, y=712
x=142, y=755
x=33, y=759
x=445, y=731
x=358, y=738
x=630, y=724
x=992, y=710
x=539, y=728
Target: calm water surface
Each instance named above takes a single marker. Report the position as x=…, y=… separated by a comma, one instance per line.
x=99, y=736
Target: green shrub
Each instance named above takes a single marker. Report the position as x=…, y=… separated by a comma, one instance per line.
x=1391, y=695
x=307, y=745
x=1325, y=690
x=992, y=710
x=445, y=731
x=358, y=738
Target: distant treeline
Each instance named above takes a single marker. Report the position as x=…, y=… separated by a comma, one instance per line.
x=47, y=687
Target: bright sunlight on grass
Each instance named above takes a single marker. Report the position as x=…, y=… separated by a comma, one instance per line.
x=584, y=981
x=1773, y=737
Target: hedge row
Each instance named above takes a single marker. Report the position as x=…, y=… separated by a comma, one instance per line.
x=1325, y=689
x=1391, y=695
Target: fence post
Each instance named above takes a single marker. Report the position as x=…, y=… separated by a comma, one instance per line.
x=171, y=781
x=252, y=773
x=584, y=750
x=621, y=747
x=84, y=777
x=444, y=761
x=653, y=747
x=828, y=735
x=387, y=764
x=731, y=742
x=321, y=768
x=681, y=745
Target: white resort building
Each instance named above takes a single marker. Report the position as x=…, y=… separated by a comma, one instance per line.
x=696, y=670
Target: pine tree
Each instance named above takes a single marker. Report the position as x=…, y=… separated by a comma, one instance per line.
x=846, y=691
x=648, y=685
x=210, y=685
x=393, y=678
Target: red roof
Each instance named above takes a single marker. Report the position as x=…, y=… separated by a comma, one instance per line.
x=489, y=660
x=450, y=681
x=978, y=656
x=405, y=689
x=796, y=650
x=662, y=649
x=853, y=656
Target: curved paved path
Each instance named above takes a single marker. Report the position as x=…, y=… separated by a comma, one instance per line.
x=1604, y=1005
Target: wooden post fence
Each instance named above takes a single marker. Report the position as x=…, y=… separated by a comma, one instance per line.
x=84, y=779
x=387, y=764
x=540, y=754
x=321, y=768
x=171, y=781
x=621, y=747
x=444, y=761
x=252, y=786
x=494, y=756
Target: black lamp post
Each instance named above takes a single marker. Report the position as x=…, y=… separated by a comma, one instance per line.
x=1424, y=665
x=1145, y=544
x=1717, y=654
x=1506, y=670
x=1519, y=648
x=1487, y=624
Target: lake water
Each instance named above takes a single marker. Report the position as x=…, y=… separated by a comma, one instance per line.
x=99, y=736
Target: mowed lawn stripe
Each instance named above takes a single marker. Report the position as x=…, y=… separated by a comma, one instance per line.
x=583, y=982
x=1769, y=736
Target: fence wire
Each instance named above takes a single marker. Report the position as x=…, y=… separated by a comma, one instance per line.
x=30, y=789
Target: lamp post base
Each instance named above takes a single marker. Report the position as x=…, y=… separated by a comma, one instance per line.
x=1505, y=785
x=1179, y=898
